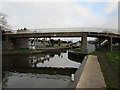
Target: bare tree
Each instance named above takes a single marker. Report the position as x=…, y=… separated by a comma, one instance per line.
x=3, y=22
x=3, y=26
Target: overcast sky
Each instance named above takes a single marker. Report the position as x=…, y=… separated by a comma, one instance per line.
x=36, y=15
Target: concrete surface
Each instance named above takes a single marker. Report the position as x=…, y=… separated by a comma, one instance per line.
x=78, y=74
x=0, y=85
x=91, y=76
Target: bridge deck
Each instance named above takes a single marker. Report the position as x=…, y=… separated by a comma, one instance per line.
x=61, y=34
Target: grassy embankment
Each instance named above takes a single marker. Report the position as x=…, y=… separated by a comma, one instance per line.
x=21, y=51
x=113, y=59
x=77, y=50
x=52, y=47
x=28, y=51
x=94, y=53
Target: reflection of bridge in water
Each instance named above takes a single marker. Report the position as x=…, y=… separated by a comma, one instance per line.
x=100, y=33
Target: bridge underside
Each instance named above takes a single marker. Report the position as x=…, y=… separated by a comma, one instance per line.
x=60, y=34
x=112, y=38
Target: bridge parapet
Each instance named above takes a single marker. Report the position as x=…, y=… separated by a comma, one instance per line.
x=51, y=30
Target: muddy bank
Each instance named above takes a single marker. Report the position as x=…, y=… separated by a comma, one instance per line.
x=43, y=70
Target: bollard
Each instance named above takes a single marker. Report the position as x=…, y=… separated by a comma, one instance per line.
x=72, y=77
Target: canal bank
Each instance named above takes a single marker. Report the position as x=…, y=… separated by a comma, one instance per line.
x=89, y=74
x=76, y=56
x=23, y=52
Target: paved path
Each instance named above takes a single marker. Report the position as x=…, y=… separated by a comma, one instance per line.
x=92, y=76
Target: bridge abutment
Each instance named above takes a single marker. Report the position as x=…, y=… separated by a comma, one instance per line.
x=99, y=42
x=84, y=44
x=21, y=43
x=6, y=44
x=110, y=44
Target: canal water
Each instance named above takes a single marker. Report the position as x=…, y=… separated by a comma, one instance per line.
x=48, y=70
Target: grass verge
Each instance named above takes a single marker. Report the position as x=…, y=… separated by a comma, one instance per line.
x=108, y=80
x=53, y=47
x=94, y=53
x=77, y=50
x=114, y=60
x=20, y=52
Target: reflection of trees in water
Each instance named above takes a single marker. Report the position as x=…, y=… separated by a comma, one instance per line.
x=52, y=55
x=34, y=60
x=59, y=54
x=55, y=53
x=48, y=59
x=5, y=77
x=4, y=82
x=28, y=61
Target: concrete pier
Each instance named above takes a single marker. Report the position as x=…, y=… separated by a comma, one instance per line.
x=21, y=43
x=111, y=42
x=84, y=44
x=91, y=76
x=7, y=43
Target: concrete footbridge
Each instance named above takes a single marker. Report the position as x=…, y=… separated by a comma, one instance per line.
x=100, y=33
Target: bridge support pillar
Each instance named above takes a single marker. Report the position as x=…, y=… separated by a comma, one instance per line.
x=84, y=44
x=111, y=43
x=21, y=43
x=100, y=40
x=7, y=43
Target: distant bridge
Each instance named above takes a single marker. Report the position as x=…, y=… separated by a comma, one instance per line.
x=67, y=32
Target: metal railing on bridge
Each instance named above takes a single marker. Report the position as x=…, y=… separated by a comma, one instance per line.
x=50, y=30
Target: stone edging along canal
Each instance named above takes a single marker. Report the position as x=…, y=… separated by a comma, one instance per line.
x=78, y=74
x=25, y=52
x=89, y=65
x=76, y=56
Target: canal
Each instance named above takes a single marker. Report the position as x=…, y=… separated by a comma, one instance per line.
x=46, y=70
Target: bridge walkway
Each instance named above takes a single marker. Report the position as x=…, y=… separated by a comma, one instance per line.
x=91, y=76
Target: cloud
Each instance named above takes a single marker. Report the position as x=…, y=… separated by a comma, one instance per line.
x=111, y=7
x=45, y=14
x=58, y=15
x=59, y=0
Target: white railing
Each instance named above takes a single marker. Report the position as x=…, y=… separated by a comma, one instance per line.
x=50, y=30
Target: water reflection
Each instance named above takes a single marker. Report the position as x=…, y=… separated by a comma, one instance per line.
x=56, y=60
x=19, y=69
